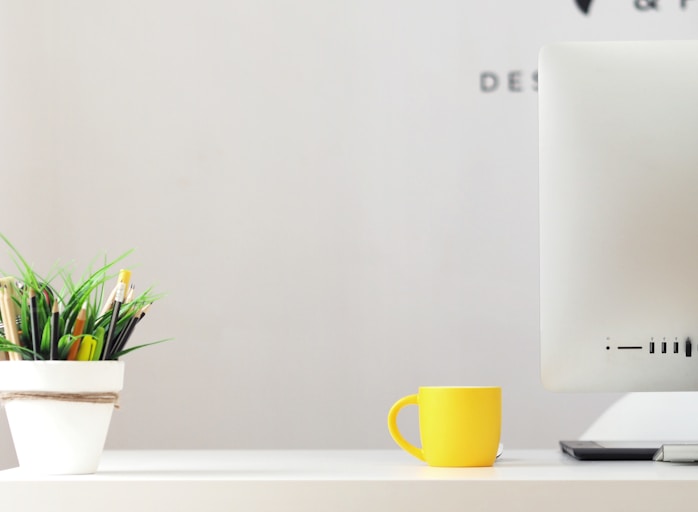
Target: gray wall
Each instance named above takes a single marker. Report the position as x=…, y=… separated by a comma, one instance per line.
x=336, y=209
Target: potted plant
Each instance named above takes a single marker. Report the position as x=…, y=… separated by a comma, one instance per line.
x=61, y=372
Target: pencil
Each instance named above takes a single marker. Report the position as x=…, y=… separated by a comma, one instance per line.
x=118, y=336
x=121, y=285
x=109, y=302
x=123, y=335
x=55, y=335
x=130, y=294
x=126, y=332
x=78, y=327
x=9, y=318
x=5, y=317
x=34, y=334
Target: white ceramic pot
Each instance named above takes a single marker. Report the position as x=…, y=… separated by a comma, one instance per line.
x=59, y=412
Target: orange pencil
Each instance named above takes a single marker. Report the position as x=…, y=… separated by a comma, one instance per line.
x=77, y=331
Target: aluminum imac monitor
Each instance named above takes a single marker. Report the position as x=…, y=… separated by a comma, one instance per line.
x=618, y=134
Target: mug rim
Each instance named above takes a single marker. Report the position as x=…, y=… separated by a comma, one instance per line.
x=460, y=387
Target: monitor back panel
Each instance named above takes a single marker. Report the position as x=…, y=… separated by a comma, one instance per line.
x=619, y=216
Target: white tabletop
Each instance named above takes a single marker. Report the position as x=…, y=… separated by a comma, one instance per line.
x=129, y=481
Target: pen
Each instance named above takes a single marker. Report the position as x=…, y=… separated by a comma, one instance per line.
x=34, y=334
x=124, y=277
x=87, y=349
x=55, y=326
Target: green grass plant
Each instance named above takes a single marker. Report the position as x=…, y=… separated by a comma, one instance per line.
x=89, y=290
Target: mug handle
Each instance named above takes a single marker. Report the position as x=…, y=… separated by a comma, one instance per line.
x=395, y=433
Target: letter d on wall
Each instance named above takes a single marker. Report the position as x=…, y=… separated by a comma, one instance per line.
x=488, y=81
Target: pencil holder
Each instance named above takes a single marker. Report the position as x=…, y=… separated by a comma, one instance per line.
x=59, y=412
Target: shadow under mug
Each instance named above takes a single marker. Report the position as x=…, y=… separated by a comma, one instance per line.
x=458, y=426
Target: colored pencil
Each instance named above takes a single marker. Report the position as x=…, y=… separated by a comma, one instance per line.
x=78, y=328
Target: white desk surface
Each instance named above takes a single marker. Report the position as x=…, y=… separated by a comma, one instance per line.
x=364, y=480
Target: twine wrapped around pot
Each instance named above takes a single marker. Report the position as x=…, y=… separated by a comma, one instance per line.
x=93, y=398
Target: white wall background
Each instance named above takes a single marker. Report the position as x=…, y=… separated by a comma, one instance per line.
x=337, y=212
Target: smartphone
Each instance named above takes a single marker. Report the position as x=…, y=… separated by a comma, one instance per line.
x=611, y=450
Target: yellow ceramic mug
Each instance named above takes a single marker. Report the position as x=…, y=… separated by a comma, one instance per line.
x=458, y=426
